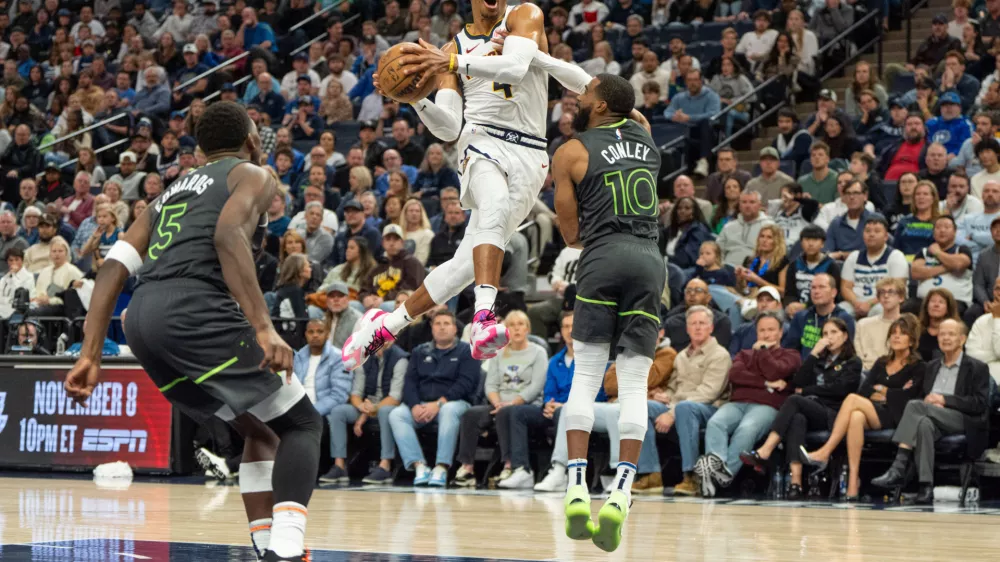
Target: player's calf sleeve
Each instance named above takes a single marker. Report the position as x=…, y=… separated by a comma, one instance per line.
x=590, y=361
x=297, y=462
x=633, y=375
x=489, y=189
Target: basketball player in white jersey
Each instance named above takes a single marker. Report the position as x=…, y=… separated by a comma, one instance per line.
x=503, y=163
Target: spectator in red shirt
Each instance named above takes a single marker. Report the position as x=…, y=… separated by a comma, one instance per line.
x=80, y=205
x=905, y=154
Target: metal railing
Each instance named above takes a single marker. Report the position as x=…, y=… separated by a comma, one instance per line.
x=84, y=130
x=910, y=8
x=316, y=15
x=321, y=36
x=96, y=152
x=210, y=71
x=877, y=41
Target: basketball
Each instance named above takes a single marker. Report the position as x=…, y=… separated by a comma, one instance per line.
x=397, y=85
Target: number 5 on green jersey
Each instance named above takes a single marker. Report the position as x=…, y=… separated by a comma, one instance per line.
x=166, y=228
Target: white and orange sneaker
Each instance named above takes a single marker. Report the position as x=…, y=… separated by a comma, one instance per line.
x=488, y=337
x=371, y=336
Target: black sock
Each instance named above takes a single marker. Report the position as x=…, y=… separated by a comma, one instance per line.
x=296, y=464
x=233, y=463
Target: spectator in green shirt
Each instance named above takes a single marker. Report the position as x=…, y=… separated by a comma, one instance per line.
x=821, y=183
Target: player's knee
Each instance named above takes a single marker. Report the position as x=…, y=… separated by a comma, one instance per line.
x=301, y=417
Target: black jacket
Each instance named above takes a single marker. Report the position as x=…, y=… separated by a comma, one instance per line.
x=972, y=398
x=25, y=159
x=675, y=326
x=445, y=244
x=896, y=396
x=838, y=380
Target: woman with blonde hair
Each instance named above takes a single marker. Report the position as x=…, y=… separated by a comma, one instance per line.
x=104, y=236
x=336, y=106
x=916, y=230
x=359, y=180
x=515, y=376
x=417, y=227
x=434, y=173
x=765, y=266
x=895, y=379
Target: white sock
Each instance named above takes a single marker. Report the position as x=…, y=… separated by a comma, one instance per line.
x=577, y=473
x=623, y=478
x=398, y=319
x=288, y=529
x=486, y=296
x=260, y=534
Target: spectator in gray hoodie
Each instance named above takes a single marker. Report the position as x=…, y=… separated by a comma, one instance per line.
x=732, y=85
x=515, y=376
x=739, y=237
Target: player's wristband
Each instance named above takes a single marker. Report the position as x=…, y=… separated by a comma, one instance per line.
x=452, y=62
x=125, y=254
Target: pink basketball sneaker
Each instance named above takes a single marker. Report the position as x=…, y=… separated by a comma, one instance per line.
x=488, y=337
x=370, y=337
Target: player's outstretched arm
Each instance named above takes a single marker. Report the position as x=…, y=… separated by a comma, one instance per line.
x=443, y=117
x=252, y=188
x=527, y=36
x=571, y=76
x=569, y=165
x=123, y=260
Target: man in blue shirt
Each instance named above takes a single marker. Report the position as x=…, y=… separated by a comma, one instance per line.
x=441, y=382
x=191, y=70
x=270, y=101
x=123, y=86
x=393, y=162
x=355, y=225
x=952, y=128
x=694, y=108
x=254, y=33
x=846, y=232
x=306, y=124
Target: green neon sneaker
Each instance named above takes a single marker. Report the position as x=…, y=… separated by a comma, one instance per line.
x=579, y=526
x=610, y=521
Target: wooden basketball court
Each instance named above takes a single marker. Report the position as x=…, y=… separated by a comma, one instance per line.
x=60, y=519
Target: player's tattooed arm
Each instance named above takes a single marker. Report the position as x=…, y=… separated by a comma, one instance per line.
x=569, y=165
x=111, y=277
x=253, y=189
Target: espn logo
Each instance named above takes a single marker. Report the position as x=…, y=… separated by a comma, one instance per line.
x=112, y=440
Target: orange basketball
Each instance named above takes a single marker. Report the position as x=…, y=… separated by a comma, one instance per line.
x=397, y=85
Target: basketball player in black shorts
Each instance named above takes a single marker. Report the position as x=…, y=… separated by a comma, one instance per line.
x=198, y=325
x=606, y=200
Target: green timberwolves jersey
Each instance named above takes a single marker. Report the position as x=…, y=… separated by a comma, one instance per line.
x=182, y=241
x=618, y=193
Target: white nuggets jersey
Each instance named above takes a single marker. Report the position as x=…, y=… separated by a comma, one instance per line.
x=520, y=107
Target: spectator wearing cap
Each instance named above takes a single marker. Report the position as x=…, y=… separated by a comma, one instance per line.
x=87, y=20
x=128, y=176
x=255, y=33
x=355, y=225
x=300, y=67
x=952, y=128
x=955, y=79
x=306, y=124
x=228, y=92
x=826, y=108
x=756, y=44
x=154, y=99
x=36, y=257
x=933, y=49
x=771, y=178
x=396, y=271
x=988, y=152
x=21, y=160
x=303, y=88
x=177, y=23
x=267, y=99
x=371, y=146
x=191, y=70
x=339, y=315
x=51, y=185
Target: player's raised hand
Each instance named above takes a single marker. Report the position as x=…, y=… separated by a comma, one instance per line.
x=427, y=61
x=498, y=38
x=277, y=355
x=82, y=378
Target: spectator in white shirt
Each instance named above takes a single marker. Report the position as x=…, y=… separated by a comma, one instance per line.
x=587, y=14
x=300, y=67
x=984, y=337
x=757, y=44
x=177, y=24
x=337, y=67
x=17, y=277
x=861, y=273
x=650, y=72
x=959, y=202
x=677, y=50
x=87, y=20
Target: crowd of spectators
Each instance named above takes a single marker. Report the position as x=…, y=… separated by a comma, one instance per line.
x=882, y=208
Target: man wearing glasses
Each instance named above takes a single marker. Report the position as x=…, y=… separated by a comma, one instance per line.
x=838, y=207
x=846, y=232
